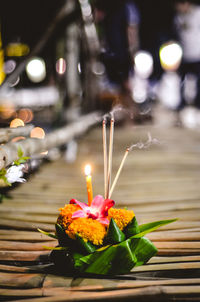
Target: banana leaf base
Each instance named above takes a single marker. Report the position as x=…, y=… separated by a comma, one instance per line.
x=108, y=260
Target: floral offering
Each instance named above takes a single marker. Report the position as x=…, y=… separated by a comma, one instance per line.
x=97, y=238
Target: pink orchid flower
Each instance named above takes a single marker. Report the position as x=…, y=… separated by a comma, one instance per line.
x=98, y=209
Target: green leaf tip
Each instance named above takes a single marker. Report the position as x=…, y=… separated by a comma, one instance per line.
x=47, y=234
x=114, y=235
x=132, y=228
x=85, y=246
x=57, y=248
x=63, y=238
x=152, y=226
x=116, y=259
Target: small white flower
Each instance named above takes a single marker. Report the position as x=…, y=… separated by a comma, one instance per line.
x=15, y=173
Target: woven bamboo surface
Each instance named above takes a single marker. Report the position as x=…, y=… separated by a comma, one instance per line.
x=161, y=182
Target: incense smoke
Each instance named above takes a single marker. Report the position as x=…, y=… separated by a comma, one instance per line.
x=116, y=109
x=140, y=145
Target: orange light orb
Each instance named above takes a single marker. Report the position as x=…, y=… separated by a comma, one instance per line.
x=7, y=111
x=26, y=115
x=37, y=132
x=17, y=122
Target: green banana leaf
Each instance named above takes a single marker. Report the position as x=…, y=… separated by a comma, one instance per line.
x=114, y=235
x=84, y=246
x=152, y=226
x=63, y=239
x=120, y=253
x=132, y=228
x=80, y=244
x=116, y=259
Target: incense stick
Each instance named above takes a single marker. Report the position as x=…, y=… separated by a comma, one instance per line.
x=105, y=156
x=110, y=155
x=118, y=172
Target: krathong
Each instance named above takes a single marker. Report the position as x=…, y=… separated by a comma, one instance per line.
x=97, y=238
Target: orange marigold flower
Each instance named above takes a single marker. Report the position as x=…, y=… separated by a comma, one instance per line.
x=88, y=228
x=65, y=216
x=121, y=216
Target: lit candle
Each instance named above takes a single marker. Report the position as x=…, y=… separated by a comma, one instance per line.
x=89, y=183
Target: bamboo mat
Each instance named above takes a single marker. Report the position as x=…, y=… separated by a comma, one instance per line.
x=161, y=182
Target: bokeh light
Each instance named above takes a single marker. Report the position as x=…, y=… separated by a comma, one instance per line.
x=79, y=67
x=61, y=66
x=36, y=70
x=14, y=82
x=37, y=132
x=190, y=117
x=140, y=90
x=143, y=64
x=26, y=115
x=98, y=68
x=9, y=66
x=16, y=123
x=7, y=111
x=170, y=55
x=17, y=49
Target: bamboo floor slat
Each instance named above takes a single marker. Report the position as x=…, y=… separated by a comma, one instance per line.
x=161, y=182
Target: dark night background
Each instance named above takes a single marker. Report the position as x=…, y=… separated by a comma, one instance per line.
x=29, y=19
x=26, y=22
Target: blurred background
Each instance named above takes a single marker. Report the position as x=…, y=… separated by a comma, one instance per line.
x=60, y=59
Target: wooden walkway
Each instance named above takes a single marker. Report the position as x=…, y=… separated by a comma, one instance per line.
x=162, y=182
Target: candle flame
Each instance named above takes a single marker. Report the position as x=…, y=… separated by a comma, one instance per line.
x=87, y=170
